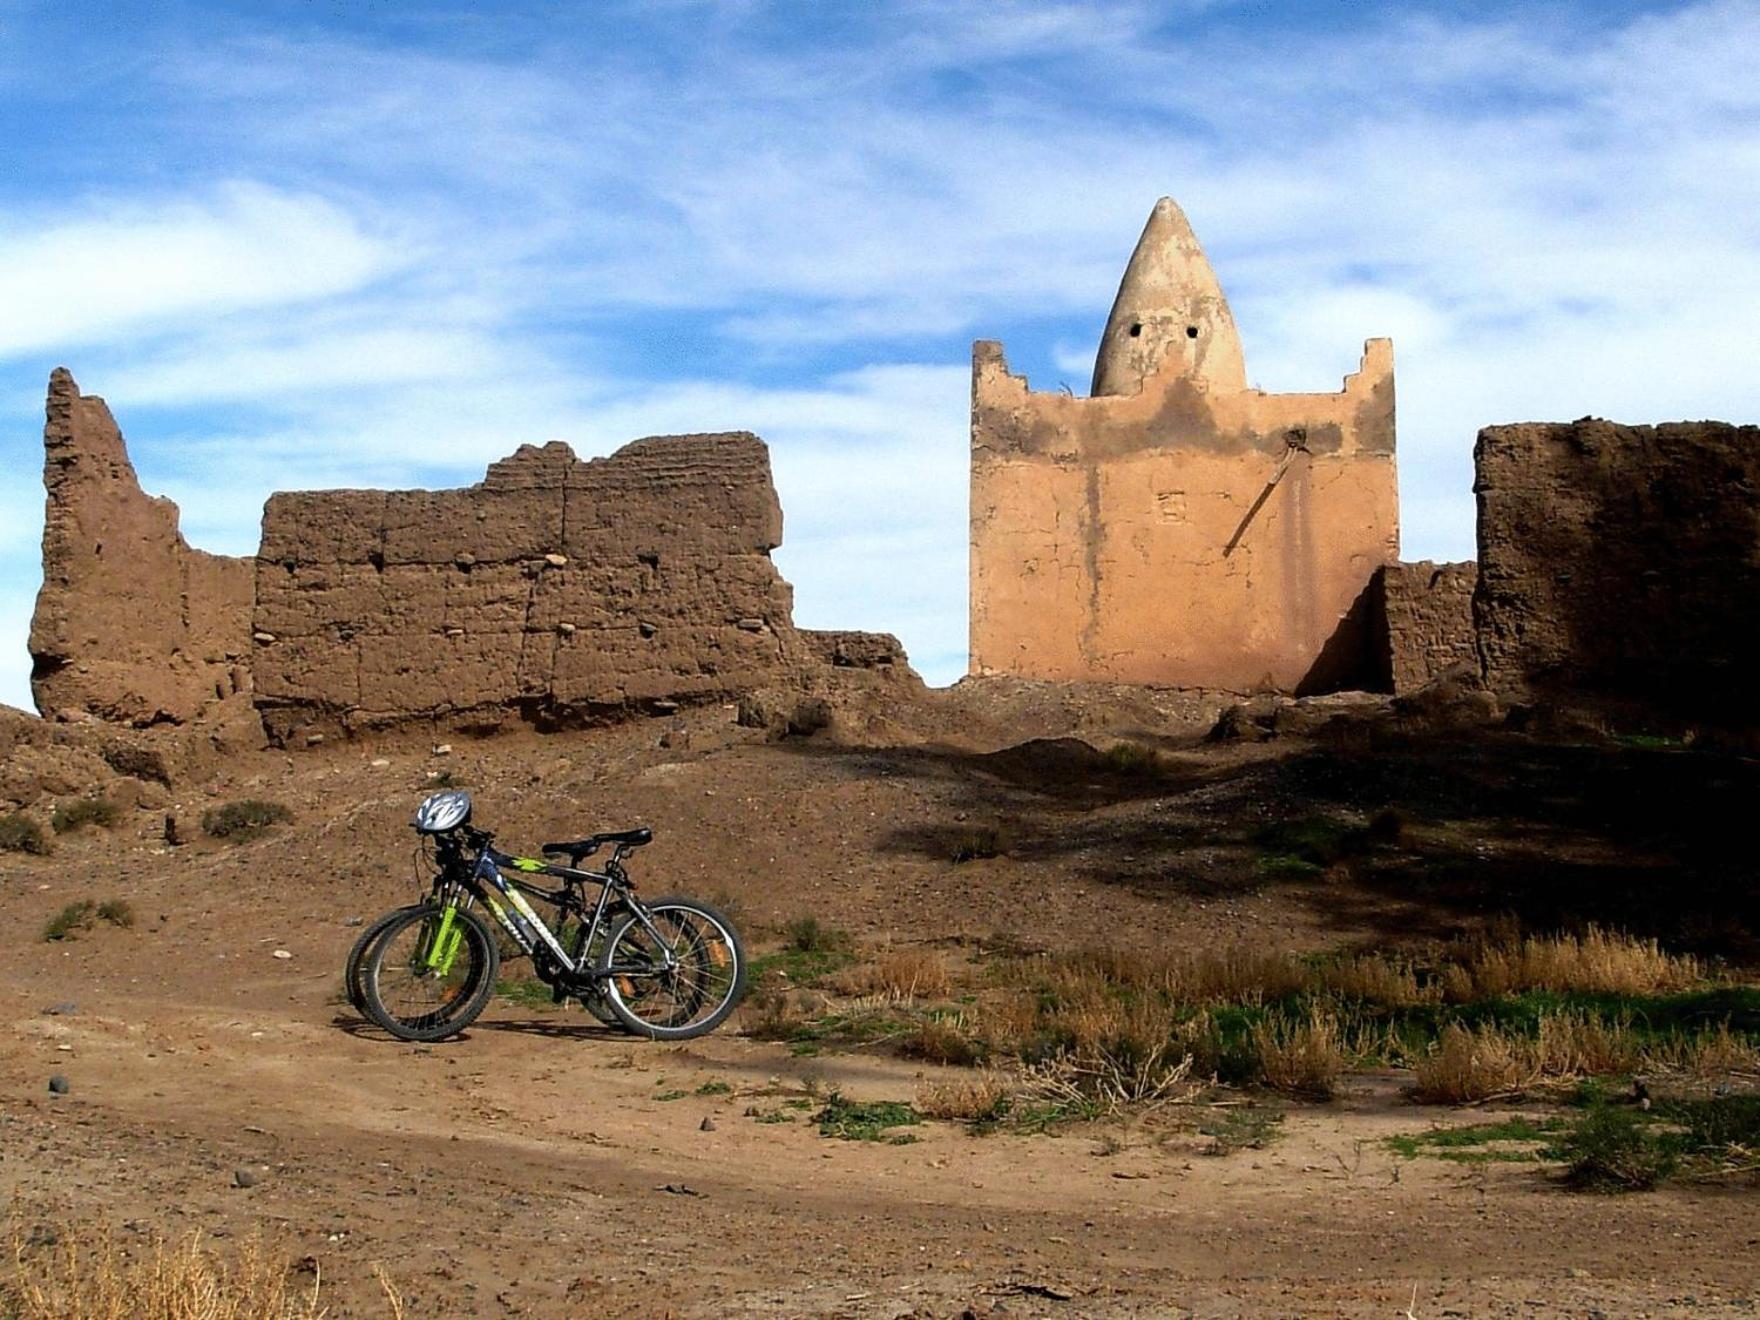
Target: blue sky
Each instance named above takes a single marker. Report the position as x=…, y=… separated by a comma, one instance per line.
x=304, y=245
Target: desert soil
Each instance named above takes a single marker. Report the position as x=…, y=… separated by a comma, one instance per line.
x=532, y=1167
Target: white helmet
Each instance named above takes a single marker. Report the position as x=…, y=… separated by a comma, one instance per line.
x=443, y=811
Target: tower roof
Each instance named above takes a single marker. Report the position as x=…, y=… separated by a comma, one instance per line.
x=1169, y=304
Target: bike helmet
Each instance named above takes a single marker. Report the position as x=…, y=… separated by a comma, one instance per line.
x=443, y=811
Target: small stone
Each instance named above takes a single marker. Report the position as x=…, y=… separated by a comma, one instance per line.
x=646, y=629
x=465, y=560
x=58, y=1085
x=64, y=1009
x=556, y=561
x=566, y=629
x=455, y=632
x=313, y=739
x=245, y=1177
x=752, y=625
x=264, y=637
x=177, y=831
x=707, y=1125
x=352, y=921
x=442, y=749
x=282, y=954
x=380, y=763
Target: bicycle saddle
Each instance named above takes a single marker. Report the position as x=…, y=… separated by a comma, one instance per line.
x=578, y=848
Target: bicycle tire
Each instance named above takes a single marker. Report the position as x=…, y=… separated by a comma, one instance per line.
x=357, y=956
x=456, y=997
x=694, y=999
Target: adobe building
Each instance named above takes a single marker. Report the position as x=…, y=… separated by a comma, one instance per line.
x=1177, y=527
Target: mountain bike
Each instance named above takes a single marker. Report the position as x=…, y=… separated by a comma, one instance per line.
x=667, y=969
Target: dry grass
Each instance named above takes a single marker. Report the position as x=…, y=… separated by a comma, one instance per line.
x=943, y=1040
x=1237, y=973
x=1467, y=1065
x=1109, y=1081
x=1377, y=980
x=1301, y=1056
x=898, y=974
x=1595, y=962
x=85, y=1274
x=965, y=1097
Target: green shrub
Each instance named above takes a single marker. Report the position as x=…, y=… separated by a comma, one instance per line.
x=248, y=818
x=854, y=1120
x=72, y=919
x=1132, y=759
x=1615, y=1150
x=19, y=833
x=809, y=935
x=75, y=816
x=985, y=841
x=117, y=911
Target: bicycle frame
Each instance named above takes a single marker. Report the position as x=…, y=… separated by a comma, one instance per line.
x=506, y=899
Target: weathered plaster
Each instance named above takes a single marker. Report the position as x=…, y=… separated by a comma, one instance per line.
x=1187, y=531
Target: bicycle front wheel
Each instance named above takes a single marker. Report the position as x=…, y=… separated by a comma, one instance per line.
x=357, y=956
x=430, y=974
x=676, y=975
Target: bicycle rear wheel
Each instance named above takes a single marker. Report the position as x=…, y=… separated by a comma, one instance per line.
x=430, y=974
x=677, y=980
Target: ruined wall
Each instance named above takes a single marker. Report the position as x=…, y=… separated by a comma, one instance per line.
x=1622, y=563
x=1424, y=621
x=559, y=589
x=1176, y=528
x=131, y=626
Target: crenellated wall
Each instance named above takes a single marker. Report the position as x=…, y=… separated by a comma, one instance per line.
x=1177, y=527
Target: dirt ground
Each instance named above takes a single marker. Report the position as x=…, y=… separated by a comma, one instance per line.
x=532, y=1166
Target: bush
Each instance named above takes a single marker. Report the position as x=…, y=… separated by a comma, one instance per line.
x=19, y=833
x=72, y=919
x=1614, y=1150
x=245, y=819
x=75, y=816
x=116, y=911
x=809, y=935
x=1133, y=760
x=970, y=845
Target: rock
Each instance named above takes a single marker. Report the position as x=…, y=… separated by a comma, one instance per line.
x=707, y=1125
x=443, y=749
x=556, y=561
x=282, y=954
x=131, y=625
x=314, y=739
x=178, y=830
x=379, y=762
x=263, y=637
x=352, y=921
x=58, y=1085
x=566, y=629
x=67, y=1008
x=243, y=1177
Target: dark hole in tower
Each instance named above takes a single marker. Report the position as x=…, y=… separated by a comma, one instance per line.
x=1136, y=329
x=1191, y=332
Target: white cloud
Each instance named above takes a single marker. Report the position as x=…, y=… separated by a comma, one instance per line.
x=125, y=265
x=1550, y=214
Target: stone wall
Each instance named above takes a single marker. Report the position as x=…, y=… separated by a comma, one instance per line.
x=1622, y=564
x=560, y=590
x=1177, y=527
x=131, y=626
x=1424, y=622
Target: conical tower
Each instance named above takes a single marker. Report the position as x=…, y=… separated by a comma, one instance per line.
x=1169, y=305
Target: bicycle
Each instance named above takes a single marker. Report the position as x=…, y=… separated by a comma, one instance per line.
x=669, y=969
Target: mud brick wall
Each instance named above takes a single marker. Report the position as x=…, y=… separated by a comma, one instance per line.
x=1622, y=563
x=557, y=590
x=131, y=626
x=1425, y=621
